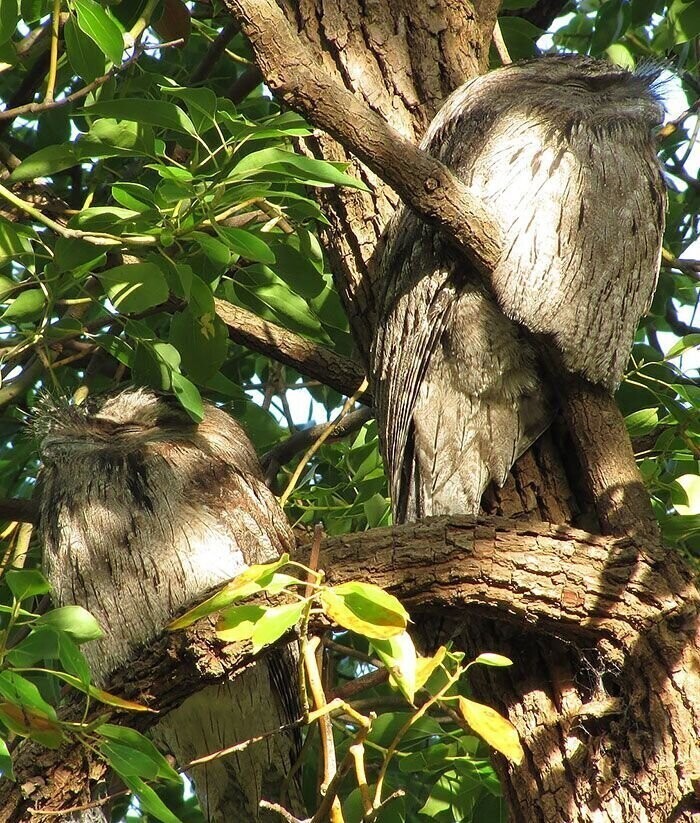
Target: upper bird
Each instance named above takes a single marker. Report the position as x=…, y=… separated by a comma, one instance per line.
x=561, y=152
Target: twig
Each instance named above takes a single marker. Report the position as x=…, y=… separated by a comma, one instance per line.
x=312, y=575
x=349, y=403
x=324, y=724
x=214, y=52
x=689, y=267
x=500, y=45
x=282, y=812
x=53, y=52
x=346, y=651
x=311, y=359
x=359, y=684
x=243, y=85
x=301, y=440
x=677, y=325
x=93, y=804
x=37, y=108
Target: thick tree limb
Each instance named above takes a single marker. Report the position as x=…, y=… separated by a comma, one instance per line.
x=331, y=369
x=423, y=182
x=638, y=607
x=24, y=511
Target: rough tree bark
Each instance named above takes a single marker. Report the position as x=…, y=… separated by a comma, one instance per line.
x=402, y=59
x=545, y=586
x=604, y=632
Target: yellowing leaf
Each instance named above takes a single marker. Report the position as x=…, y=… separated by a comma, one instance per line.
x=102, y=695
x=493, y=728
x=425, y=666
x=398, y=654
x=364, y=608
x=28, y=723
x=252, y=580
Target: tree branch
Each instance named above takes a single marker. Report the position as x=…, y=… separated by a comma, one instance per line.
x=587, y=589
x=331, y=369
x=302, y=440
x=23, y=511
x=423, y=182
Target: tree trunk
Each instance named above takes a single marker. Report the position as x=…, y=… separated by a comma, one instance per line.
x=616, y=740
x=605, y=723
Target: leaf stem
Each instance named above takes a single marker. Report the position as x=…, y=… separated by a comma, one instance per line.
x=53, y=53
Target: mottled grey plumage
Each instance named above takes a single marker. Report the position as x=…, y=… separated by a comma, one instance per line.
x=561, y=152
x=142, y=513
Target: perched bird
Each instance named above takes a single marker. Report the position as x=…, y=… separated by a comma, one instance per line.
x=561, y=152
x=142, y=513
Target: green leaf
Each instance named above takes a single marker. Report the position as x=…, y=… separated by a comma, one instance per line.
x=129, y=762
x=520, y=37
x=25, y=583
x=621, y=55
x=250, y=581
x=133, y=196
x=259, y=289
x=306, y=169
x=364, y=608
x=376, y=509
x=53, y=159
x=134, y=287
x=33, y=10
x=238, y=622
x=83, y=685
x=188, y=395
x=124, y=736
x=214, y=249
x=492, y=659
x=31, y=723
x=7, y=287
x=159, y=113
x=202, y=341
x=611, y=23
x=101, y=28
x=517, y=4
x=641, y=11
x=149, y=800
x=201, y=104
x=398, y=654
x=684, y=17
x=74, y=620
x=27, y=306
x=72, y=659
x=274, y=623
x=41, y=644
x=45, y=162
x=84, y=55
x=12, y=245
x=642, y=422
x=6, y=761
x=77, y=256
x=690, y=341
x=248, y=245
x=22, y=692
x=9, y=18
x=689, y=504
